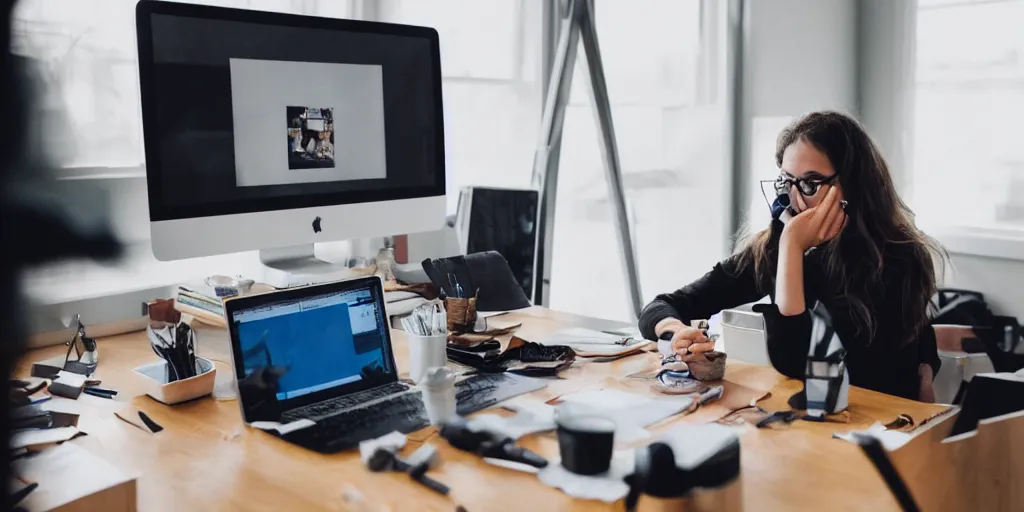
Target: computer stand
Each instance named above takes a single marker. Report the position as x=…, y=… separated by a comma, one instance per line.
x=576, y=22
x=288, y=267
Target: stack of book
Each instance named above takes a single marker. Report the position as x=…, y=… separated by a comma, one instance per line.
x=200, y=301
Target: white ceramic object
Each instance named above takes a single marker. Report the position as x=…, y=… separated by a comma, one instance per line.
x=170, y=393
x=426, y=352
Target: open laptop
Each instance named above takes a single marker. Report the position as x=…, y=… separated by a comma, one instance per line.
x=321, y=353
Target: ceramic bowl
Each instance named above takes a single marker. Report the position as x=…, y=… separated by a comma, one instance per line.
x=712, y=368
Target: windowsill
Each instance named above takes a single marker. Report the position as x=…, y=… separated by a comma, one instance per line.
x=138, y=270
x=1002, y=243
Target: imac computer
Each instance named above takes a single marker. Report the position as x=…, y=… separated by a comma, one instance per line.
x=272, y=132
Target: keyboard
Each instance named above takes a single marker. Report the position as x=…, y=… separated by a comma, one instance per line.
x=335, y=405
x=345, y=429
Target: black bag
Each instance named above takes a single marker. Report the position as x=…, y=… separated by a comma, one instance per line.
x=998, y=336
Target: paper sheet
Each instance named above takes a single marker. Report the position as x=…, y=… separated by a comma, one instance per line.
x=84, y=405
x=581, y=336
x=42, y=436
x=890, y=439
x=523, y=423
x=283, y=429
x=631, y=412
x=608, y=487
x=71, y=379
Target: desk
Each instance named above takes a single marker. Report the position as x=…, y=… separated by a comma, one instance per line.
x=192, y=465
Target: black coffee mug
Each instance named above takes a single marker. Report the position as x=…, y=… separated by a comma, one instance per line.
x=585, y=442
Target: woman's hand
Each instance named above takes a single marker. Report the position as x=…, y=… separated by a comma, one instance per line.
x=816, y=225
x=687, y=342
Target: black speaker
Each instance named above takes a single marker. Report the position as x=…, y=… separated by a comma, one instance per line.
x=502, y=220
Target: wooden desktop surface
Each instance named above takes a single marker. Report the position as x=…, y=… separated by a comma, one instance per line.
x=199, y=463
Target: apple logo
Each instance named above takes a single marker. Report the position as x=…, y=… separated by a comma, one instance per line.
x=316, y=225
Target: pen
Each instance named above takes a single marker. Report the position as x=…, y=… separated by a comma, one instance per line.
x=102, y=390
x=97, y=394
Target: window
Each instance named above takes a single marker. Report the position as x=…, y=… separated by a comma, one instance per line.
x=967, y=153
x=490, y=62
x=88, y=73
x=664, y=65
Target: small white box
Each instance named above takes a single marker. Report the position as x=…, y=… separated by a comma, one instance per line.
x=179, y=391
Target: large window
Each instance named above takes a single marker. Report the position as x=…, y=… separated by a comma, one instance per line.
x=665, y=68
x=968, y=152
x=490, y=62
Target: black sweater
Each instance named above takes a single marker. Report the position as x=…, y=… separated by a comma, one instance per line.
x=885, y=363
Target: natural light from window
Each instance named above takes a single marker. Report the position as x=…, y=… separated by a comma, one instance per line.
x=968, y=156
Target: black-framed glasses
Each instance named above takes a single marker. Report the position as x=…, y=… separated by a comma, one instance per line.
x=806, y=186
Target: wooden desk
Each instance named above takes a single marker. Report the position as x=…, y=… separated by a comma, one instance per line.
x=195, y=465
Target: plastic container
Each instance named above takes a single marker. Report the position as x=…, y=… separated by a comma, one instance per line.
x=170, y=393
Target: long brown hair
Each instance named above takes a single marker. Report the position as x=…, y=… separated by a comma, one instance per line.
x=877, y=219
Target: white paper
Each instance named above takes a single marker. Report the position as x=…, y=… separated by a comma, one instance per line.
x=84, y=405
x=508, y=464
x=631, y=412
x=522, y=424
x=396, y=296
x=41, y=436
x=70, y=379
x=890, y=439
x=581, y=336
x=692, y=445
x=285, y=428
x=489, y=314
x=607, y=487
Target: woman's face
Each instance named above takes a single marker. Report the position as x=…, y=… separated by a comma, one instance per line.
x=803, y=161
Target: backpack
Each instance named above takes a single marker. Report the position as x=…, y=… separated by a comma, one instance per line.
x=998, y=336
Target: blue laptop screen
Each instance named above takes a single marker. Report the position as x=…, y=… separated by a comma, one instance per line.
x=316, y=342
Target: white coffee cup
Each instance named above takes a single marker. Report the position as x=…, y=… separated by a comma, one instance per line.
x=439, y=394
x=426, y=352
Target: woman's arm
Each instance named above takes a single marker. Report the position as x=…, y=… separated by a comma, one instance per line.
x=789, y=279
x=787, y=322
x=727, y=285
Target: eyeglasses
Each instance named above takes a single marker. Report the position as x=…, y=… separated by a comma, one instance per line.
x=806, y=186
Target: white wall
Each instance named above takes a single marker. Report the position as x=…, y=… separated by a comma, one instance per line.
x=1001, y=280
x=798, y=56
x=885, y=78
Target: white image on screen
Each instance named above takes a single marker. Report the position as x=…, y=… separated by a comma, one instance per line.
x=261, y=90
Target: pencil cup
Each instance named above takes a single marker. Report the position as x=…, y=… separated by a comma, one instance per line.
x=426, y=352
x=170, y=393
x=461, y=314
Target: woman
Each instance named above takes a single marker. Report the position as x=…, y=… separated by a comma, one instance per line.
x=840, y=234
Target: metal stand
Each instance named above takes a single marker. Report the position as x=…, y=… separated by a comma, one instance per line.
x=575, y=21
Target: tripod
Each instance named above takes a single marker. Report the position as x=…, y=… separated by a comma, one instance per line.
x=576, y=21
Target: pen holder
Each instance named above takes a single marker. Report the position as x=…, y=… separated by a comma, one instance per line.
x=170, y=393
x=461, y=314
x=426, y=352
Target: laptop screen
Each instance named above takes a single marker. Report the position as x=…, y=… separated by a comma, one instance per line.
x=309, y=340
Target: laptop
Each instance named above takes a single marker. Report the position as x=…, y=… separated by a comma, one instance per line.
x=321, y=353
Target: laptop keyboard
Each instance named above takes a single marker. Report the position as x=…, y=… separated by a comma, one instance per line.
x=344, y=430
x=335, y=405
